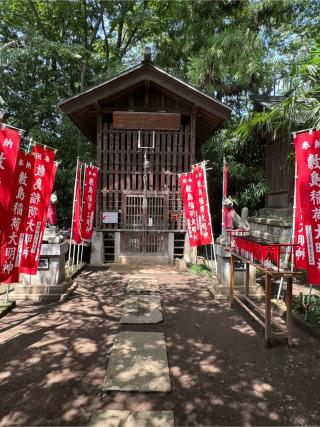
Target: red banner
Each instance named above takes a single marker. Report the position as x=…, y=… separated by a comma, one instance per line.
x=187, y=190
x=299, y=237
x=308, y=170
x=76, y=229
x=44, y=220
x=15, y=222
x=202, y=207
x=39, y=200
x=9, y=146
x=89, y=201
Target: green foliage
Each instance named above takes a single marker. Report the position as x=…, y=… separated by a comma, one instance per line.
x=200, y=269
x=260, y=41
x=312, y=306
x=300, y=108
x=50, y=50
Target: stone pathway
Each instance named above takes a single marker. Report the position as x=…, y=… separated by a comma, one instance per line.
x=142, y=309
x=143, y=285
x=53, y=360
x=138, y=362
x=132, y=419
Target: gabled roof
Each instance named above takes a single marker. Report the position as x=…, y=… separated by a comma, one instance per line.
x=77, y=106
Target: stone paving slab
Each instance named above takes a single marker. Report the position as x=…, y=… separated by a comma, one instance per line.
x=139, y=309
x=138, y=362
x=142, y=286
x=112, y=418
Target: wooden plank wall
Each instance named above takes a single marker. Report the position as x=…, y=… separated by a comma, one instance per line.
x=122, y=168
x=278, y=174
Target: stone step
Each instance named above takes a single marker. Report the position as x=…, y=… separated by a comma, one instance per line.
x=142, y=286
x=138, y=362
x=43, y=293
x=113, y=418
x=142, y=309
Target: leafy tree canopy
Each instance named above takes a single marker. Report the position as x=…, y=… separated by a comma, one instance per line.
x=230, y=48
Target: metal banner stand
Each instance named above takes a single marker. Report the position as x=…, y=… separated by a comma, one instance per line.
x=308, y=305
x=223, y=191
x=293, y=225
x=7, y=294
x=72, y=220
x=208, y=207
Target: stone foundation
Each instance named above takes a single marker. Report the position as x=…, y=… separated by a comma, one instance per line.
x=48, y=284
x=275, y=229
x=221, y=289
x=40, y=293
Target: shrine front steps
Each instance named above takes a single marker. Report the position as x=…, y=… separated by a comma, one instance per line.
x=144, y=260
x=42, y=293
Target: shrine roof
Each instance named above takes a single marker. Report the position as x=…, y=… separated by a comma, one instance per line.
x=84, y=107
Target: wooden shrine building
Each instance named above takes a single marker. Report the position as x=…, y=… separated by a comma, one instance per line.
x=146, y=125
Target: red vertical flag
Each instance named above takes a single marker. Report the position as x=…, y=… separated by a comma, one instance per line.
x=39, y=200
x=299, y=235
x=14, y=224
x=89, y=201
x=44, y=219
x=187, y=190
x=307, y=147
x=202, y=206
x=76, y=229
x=9, y=146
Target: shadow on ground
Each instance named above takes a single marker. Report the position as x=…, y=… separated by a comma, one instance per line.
x=53, y=359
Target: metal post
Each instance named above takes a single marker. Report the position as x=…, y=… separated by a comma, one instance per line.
x=78, y=250
x=73, y=204
x=308, y=304
x=293, y=224
x=208, y=205
x=7, y=294
x=223, y=191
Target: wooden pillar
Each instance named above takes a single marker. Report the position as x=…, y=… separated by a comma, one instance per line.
x=267, y=308
x=289, y=310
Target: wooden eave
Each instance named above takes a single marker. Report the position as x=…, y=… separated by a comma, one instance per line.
x=82, y=108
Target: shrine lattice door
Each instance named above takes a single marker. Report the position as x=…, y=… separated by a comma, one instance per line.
x=144, y=220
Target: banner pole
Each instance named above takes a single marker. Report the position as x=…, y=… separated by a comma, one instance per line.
x=293, y=230
x=308, y=304
x=78, y=251
x=213, y=245
x=72, y=218
x=7, y=294
x=223, y=191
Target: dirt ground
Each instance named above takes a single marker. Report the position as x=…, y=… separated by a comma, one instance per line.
x=54, y=358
